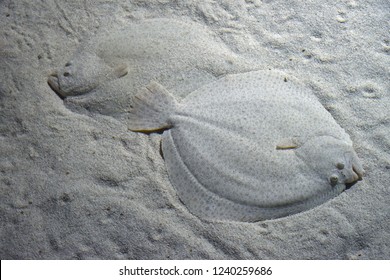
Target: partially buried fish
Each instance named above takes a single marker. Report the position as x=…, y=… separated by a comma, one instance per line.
x=249, y=146
x=108, y=69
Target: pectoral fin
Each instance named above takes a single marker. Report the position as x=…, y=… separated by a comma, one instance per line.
x=121, y=70
x=288, y=143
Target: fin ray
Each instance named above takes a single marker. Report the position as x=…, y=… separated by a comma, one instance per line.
x=151, y=109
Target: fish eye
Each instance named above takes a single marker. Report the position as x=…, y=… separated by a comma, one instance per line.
x=66, y=74
x=333, y=179
x=340, y=165
x=68, y=63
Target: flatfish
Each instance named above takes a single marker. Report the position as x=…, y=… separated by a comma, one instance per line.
x=248, y=147
x=107, y=69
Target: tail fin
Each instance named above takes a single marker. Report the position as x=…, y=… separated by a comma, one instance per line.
x=151, y=109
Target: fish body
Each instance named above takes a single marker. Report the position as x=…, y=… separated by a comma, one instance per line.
x=249, y=146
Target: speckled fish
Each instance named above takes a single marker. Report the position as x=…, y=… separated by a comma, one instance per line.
x=248, y=147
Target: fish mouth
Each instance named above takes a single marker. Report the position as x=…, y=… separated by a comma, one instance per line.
x=353, y=175
x=354, y=171
x=54, y=84
x=358, y=171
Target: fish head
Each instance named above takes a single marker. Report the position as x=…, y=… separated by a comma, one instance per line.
x=332, y=158
x=83, y=74
x=348, y=169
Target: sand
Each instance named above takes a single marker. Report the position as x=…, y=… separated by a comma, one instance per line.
x=75, y=186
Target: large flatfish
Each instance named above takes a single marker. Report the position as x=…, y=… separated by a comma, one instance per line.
x=249, y=146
